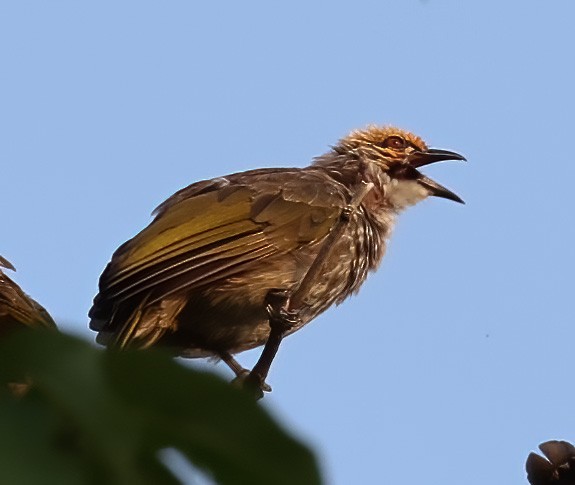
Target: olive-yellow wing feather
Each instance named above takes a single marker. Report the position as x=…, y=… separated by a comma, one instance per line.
x=214, y=230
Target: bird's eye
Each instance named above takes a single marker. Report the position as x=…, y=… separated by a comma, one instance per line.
x=395, y=142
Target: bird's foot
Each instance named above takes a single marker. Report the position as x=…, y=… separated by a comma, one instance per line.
x=281, y=321
x=252, y=383
x=281, y=318
x=347, y=212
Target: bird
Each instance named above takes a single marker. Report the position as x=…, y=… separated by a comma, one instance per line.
x=558, y=468
x=240, y=261
x=17, y=309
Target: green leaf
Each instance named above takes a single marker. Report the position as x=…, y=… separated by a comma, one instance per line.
x=96, y=416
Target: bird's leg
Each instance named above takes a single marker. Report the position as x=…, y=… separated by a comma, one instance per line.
x=309, y=280
x=284, y=308
x=232, y=363
x=240, y=372
x=281, y=321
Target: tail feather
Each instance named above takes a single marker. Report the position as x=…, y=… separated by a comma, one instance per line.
x=137, y=327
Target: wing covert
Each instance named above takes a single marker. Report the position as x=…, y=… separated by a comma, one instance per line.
x=210, y=231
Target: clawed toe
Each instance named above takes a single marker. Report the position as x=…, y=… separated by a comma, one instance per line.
x=280, y=316
x=252, y=383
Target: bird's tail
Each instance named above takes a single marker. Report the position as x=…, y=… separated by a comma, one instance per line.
x=137, y=327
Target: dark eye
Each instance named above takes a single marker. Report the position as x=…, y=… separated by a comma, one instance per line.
x=395, y=142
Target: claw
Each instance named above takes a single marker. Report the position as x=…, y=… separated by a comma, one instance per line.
x=252, y=383
x=280, y=316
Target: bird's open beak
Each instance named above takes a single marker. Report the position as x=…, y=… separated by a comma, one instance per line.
x=438, y=190
x=420, y=159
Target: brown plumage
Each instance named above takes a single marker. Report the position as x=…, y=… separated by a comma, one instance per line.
x=558, y=468
x=198, y=277
x=17, y=309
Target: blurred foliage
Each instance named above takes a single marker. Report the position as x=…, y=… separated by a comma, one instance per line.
x=94, y=416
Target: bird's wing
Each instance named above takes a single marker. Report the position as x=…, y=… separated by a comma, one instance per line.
x=4, y=263
x=216, y=229
x=16, y=307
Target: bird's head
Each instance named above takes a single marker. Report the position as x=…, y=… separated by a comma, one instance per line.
x=398, y=154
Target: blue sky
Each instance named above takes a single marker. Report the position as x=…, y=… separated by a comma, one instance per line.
x=455, y=358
